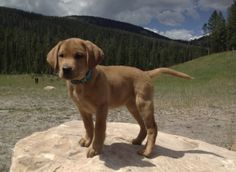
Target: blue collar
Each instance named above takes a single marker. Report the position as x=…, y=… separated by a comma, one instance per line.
x=88, y=77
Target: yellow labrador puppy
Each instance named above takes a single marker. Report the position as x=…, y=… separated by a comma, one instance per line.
x=94, y=89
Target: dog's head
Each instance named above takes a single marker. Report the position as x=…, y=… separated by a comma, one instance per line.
x=72, y=58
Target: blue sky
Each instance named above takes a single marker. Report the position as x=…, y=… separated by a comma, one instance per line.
x=177, y=19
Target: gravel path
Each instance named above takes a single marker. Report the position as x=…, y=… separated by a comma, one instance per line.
x=26, y=113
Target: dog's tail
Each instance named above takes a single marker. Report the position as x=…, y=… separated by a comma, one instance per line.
x=156, y=72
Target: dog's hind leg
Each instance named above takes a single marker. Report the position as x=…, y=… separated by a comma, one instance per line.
x=145, y=107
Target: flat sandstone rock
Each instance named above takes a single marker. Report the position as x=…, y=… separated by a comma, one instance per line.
x=57, y=150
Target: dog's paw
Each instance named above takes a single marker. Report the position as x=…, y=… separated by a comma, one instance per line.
x=85, y=142
x=91, y=153
x=144, y=152
x=136, y=141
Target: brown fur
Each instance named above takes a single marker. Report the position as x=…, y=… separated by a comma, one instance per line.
x=110, y=87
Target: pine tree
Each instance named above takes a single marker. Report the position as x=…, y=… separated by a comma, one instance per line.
x=231, y=27
x=217, y=30
x=212, y=22
x=206, y=33
x=221, y=28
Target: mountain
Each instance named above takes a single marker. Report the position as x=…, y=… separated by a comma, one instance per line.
x=107, y=23
x=26, y=38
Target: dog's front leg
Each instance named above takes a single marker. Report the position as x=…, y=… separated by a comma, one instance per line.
x=99, y=133
x=89, y=127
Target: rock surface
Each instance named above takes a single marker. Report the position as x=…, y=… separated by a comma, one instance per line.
x=57, y=150
x=49, y=88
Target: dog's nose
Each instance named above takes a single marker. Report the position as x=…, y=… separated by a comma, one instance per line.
x=67, y=70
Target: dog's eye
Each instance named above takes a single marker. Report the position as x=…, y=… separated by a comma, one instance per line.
x=78, y=55
x=61, y=55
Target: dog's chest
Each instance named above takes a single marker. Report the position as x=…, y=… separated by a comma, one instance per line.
x=83, y=100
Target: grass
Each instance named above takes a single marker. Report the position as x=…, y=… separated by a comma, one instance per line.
x=17, y=84
x=19, y=89
x=214, y=82
x=26, y=80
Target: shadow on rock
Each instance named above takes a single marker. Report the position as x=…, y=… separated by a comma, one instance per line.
x=120, y=155
x=161, y=151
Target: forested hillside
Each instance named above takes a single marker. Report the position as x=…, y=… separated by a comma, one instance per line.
x=118, y=25
x=26, y=38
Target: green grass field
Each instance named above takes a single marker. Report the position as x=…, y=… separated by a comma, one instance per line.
x=214, y=82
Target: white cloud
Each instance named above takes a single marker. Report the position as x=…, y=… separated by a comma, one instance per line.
x=177, y=34
x=139, y=12
x=215, y=4
x=182, y=34
x=52, y=7
x=171, y=18
x=138, y=16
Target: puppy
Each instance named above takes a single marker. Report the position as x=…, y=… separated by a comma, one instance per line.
x=94, y=89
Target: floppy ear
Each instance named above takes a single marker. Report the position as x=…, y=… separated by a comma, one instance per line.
x=52, y=57
x=94, y=54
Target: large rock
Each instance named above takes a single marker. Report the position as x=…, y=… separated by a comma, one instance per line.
x=57, y=150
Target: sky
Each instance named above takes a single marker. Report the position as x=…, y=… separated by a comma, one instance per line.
x=176, y=19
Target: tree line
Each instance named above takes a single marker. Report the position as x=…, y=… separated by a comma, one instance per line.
x=26, y=38
x=221, y=32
